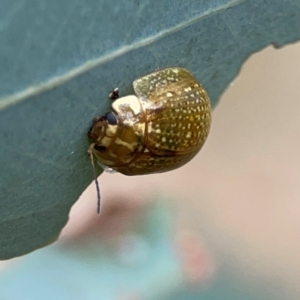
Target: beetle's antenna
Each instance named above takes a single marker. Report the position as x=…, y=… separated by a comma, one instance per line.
x=90, y=152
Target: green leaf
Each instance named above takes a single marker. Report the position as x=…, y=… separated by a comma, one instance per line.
x=59, y=59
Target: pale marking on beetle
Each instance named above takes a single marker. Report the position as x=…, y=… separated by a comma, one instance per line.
x=130, y=101
x=158, y=131
x=105, y=141
x=145, y=103
x=112, y=154
x=188, y=135
x=130, y=146
x=111, y=130
x=139, y=128
x=128, y=122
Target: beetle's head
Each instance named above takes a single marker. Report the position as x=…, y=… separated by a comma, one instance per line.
x=118, y=136
x=103, y=131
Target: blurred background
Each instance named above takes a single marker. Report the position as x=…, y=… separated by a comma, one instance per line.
x=225, y=226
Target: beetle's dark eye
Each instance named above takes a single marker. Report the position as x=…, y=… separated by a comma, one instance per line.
x=100, y=148
x=111, y=118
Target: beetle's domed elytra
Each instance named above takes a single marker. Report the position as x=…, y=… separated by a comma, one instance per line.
x=158, y=130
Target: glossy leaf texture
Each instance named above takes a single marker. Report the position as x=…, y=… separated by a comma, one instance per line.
x=59, y=59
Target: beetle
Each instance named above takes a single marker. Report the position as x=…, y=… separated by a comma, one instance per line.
x=160, y=128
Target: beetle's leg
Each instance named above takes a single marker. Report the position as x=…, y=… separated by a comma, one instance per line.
x=114, y=94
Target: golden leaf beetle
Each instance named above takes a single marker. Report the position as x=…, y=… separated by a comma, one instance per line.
x=159, y=129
